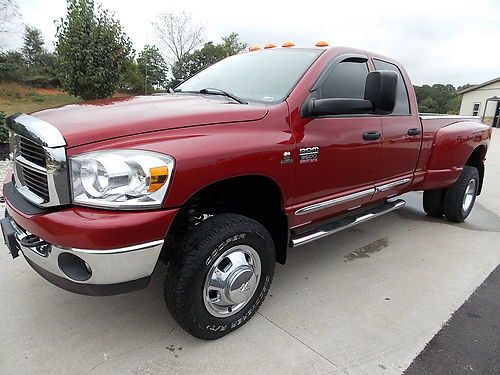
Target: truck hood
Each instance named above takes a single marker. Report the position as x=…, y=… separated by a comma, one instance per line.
x=110, y=118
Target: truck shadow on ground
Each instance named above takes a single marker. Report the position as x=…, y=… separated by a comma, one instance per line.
x=480, y=219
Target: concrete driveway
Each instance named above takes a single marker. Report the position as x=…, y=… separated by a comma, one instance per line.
x=364, y=301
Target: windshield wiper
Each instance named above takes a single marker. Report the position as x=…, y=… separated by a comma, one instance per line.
x=214, y=91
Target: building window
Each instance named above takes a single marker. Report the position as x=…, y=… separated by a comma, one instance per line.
x=475, y=109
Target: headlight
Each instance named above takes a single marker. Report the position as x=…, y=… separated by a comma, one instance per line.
x=121, y=179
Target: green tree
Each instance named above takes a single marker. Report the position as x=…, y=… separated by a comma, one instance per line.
x=209, y=54
x=40, y=66
x=428, y=105
x=92, y=49
x=439, y=98
x=153, y=67
x=33, y=47
x=132, y=80
x=466, y=86
x=453, y=106
x=232, y=45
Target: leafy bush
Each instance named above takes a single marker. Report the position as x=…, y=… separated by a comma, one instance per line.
x=11, y=66
x=4, y=134
x=40, y=81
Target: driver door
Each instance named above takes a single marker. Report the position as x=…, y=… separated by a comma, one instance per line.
x=338, y=155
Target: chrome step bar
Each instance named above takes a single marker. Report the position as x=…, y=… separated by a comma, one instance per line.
x=346, y=222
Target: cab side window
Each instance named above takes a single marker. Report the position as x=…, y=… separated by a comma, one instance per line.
x=346, y=80
x=402, y=106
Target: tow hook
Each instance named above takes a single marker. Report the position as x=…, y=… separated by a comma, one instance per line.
x=36, y=243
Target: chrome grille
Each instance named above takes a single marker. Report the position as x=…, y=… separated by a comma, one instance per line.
x=37, y=182
x=40, y=166
x=32, y=152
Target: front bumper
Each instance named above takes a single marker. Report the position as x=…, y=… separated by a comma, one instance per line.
x=83, y=250
x=92, y=272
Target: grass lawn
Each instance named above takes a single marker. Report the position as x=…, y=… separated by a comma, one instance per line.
x=15, y=98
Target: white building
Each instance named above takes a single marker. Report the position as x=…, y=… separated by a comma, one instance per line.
x=482, y=99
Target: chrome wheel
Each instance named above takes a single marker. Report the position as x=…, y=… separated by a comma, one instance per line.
x=231, y=281
x=470, y=193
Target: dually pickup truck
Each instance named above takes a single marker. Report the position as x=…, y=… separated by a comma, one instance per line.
x=263, y=151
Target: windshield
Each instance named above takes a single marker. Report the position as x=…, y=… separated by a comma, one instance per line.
x=262, y=76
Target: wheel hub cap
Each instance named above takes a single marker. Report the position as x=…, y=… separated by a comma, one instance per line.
x=469, y=195
x=231, y=281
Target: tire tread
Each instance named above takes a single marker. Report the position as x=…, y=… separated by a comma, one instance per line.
x=186, y=262
x=454, y=195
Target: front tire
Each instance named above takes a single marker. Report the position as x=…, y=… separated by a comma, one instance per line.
x=220, y=275
x=460, y=197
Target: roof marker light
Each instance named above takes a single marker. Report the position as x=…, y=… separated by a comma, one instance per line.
x=322, y=43
x=269, y=45
x=254, y=48
x=288, y=44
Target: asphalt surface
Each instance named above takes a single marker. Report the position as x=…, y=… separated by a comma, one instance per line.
x=469, y=343
x=367, y=300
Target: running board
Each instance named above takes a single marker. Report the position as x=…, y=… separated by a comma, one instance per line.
x=347, y=222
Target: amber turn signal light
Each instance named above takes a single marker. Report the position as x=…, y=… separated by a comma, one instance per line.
x=158, y=178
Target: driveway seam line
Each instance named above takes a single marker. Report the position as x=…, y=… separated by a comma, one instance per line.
x=303, y=343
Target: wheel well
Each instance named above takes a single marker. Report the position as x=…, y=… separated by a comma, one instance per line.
x=476, y=159
x=257, y=197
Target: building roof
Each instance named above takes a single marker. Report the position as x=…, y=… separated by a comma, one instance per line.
x=494, y=80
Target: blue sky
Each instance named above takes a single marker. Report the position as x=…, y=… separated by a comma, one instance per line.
x=438, y=41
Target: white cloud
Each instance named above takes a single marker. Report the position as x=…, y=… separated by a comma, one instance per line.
x=437, y=41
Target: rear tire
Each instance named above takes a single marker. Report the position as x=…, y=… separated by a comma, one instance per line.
x=459, y=199
x=433, y=202
x=220, y=275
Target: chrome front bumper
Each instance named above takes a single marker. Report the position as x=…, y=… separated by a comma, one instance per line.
x=94, y=272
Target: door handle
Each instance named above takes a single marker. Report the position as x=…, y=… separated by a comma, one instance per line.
x=371, y=136
x=413, y=131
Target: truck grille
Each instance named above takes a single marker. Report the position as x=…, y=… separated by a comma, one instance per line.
x=40, y=166
x=36, y=182
x=32, y=152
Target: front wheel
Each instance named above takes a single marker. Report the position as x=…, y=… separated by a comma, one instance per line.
x=460, y=197
x=220, y=276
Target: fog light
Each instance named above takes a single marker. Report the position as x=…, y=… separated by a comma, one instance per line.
x=74, y=267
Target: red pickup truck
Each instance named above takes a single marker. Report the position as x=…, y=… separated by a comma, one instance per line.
x=263, y=151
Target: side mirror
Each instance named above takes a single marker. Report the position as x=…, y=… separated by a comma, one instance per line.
x=338, y=106
x=380, y=90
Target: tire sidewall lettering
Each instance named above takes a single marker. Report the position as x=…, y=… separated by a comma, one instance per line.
x=221, y=246
x=248, y=313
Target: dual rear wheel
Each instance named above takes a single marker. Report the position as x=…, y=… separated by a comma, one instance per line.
x=454, y=203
